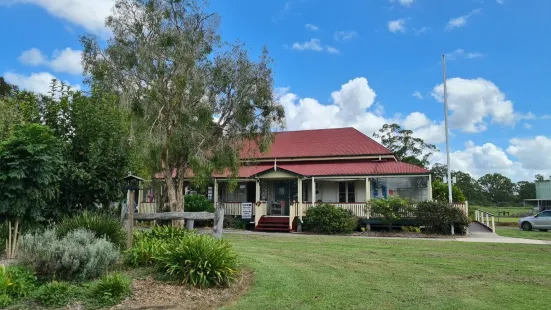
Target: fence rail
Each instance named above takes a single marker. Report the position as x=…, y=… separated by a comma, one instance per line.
x=486, y=219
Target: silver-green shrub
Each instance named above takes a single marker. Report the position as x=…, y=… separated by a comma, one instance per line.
x=77, y=256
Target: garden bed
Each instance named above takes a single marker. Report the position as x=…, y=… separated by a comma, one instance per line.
x=150, y=293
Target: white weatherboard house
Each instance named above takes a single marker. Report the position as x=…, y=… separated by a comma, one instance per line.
x=339, y=166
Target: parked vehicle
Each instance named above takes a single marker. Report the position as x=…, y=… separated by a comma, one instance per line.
x=541, y=221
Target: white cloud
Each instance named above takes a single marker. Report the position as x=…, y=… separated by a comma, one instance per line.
x=345, y=35
x=417, y=95
x=478, y=160
x=460, y=53
x=527, y=125
x=312, y=27
x=461, y=21
x=66, y=60
x=406, y=3
x=88, y=14
x=473, y=101
x=398, y=25
x=332, y=50
x=420, y=31
x=36, y=82
x=314, y=45
x=352, y=105
x=32, y=57
x=533, y=153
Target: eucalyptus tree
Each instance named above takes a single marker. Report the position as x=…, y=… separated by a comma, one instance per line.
x=194, y=99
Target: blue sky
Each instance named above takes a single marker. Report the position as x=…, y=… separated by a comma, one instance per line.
x=356, y=63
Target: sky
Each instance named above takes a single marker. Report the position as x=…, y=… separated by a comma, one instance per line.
x=356, y=63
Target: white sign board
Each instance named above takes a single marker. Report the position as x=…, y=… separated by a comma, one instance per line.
x=246, y=210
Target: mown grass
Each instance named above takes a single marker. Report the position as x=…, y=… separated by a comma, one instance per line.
x=515, y=232
x=513, y=211
x=317, y=272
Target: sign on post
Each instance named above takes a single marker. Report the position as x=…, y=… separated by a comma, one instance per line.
x=246, y=210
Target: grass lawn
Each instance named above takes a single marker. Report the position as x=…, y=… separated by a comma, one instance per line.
x=518, y=233
x=507, y=219
x=512, y=210
x=305, y=272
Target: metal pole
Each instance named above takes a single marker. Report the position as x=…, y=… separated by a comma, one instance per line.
x=446, y=125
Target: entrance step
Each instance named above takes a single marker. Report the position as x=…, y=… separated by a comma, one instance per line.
x=275, y=224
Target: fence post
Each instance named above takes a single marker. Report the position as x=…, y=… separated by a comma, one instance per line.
x=130, y=207
x=493, y=225
x=487, y=220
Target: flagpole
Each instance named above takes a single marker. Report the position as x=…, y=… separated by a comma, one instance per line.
x=446, y=125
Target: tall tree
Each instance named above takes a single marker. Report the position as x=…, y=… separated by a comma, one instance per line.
x=526, y=190
x=469, y=186
x=405, y=146
x=192, y=108
x=498, y=188
x=93, y=135
x=29, y=164
x=439, y=171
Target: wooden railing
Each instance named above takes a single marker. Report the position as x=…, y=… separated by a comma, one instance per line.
x=486, y=219
x=359, y=209
x=233, y=208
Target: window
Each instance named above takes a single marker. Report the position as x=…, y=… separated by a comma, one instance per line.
x=351, y=192
x=545, y=214
x=347, y=192
x=342, y=191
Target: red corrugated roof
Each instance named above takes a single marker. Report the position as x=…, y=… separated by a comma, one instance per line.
x=348, y=168
x=318, y=143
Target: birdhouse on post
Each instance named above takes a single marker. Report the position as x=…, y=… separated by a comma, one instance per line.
x=132, y=184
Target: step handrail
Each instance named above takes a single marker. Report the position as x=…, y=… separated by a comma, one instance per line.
x=486, y=219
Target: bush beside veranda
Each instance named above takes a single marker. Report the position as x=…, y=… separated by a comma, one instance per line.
x=438, y=217
x=198, y=203
x=77, y=256
x=328, y=219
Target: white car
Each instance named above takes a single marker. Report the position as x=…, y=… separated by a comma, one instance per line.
x=541, y=221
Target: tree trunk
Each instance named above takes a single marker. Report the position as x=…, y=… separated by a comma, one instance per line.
x=218, y=221
x=13, y=238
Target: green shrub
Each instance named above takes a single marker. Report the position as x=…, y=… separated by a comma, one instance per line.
x=5, y=300
x=102, y=225
x=55, y=294
x=391, y=209
x=413, y=229
x=147, y=244
x=167, y=232
x=440, y=192
x=199, y=260
x=16, y=281
x=143, y=251
x=328, y=219
x=197, y=203
x=235, y=222
x=77, y=256
x=111, y=289
x=438, y=217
